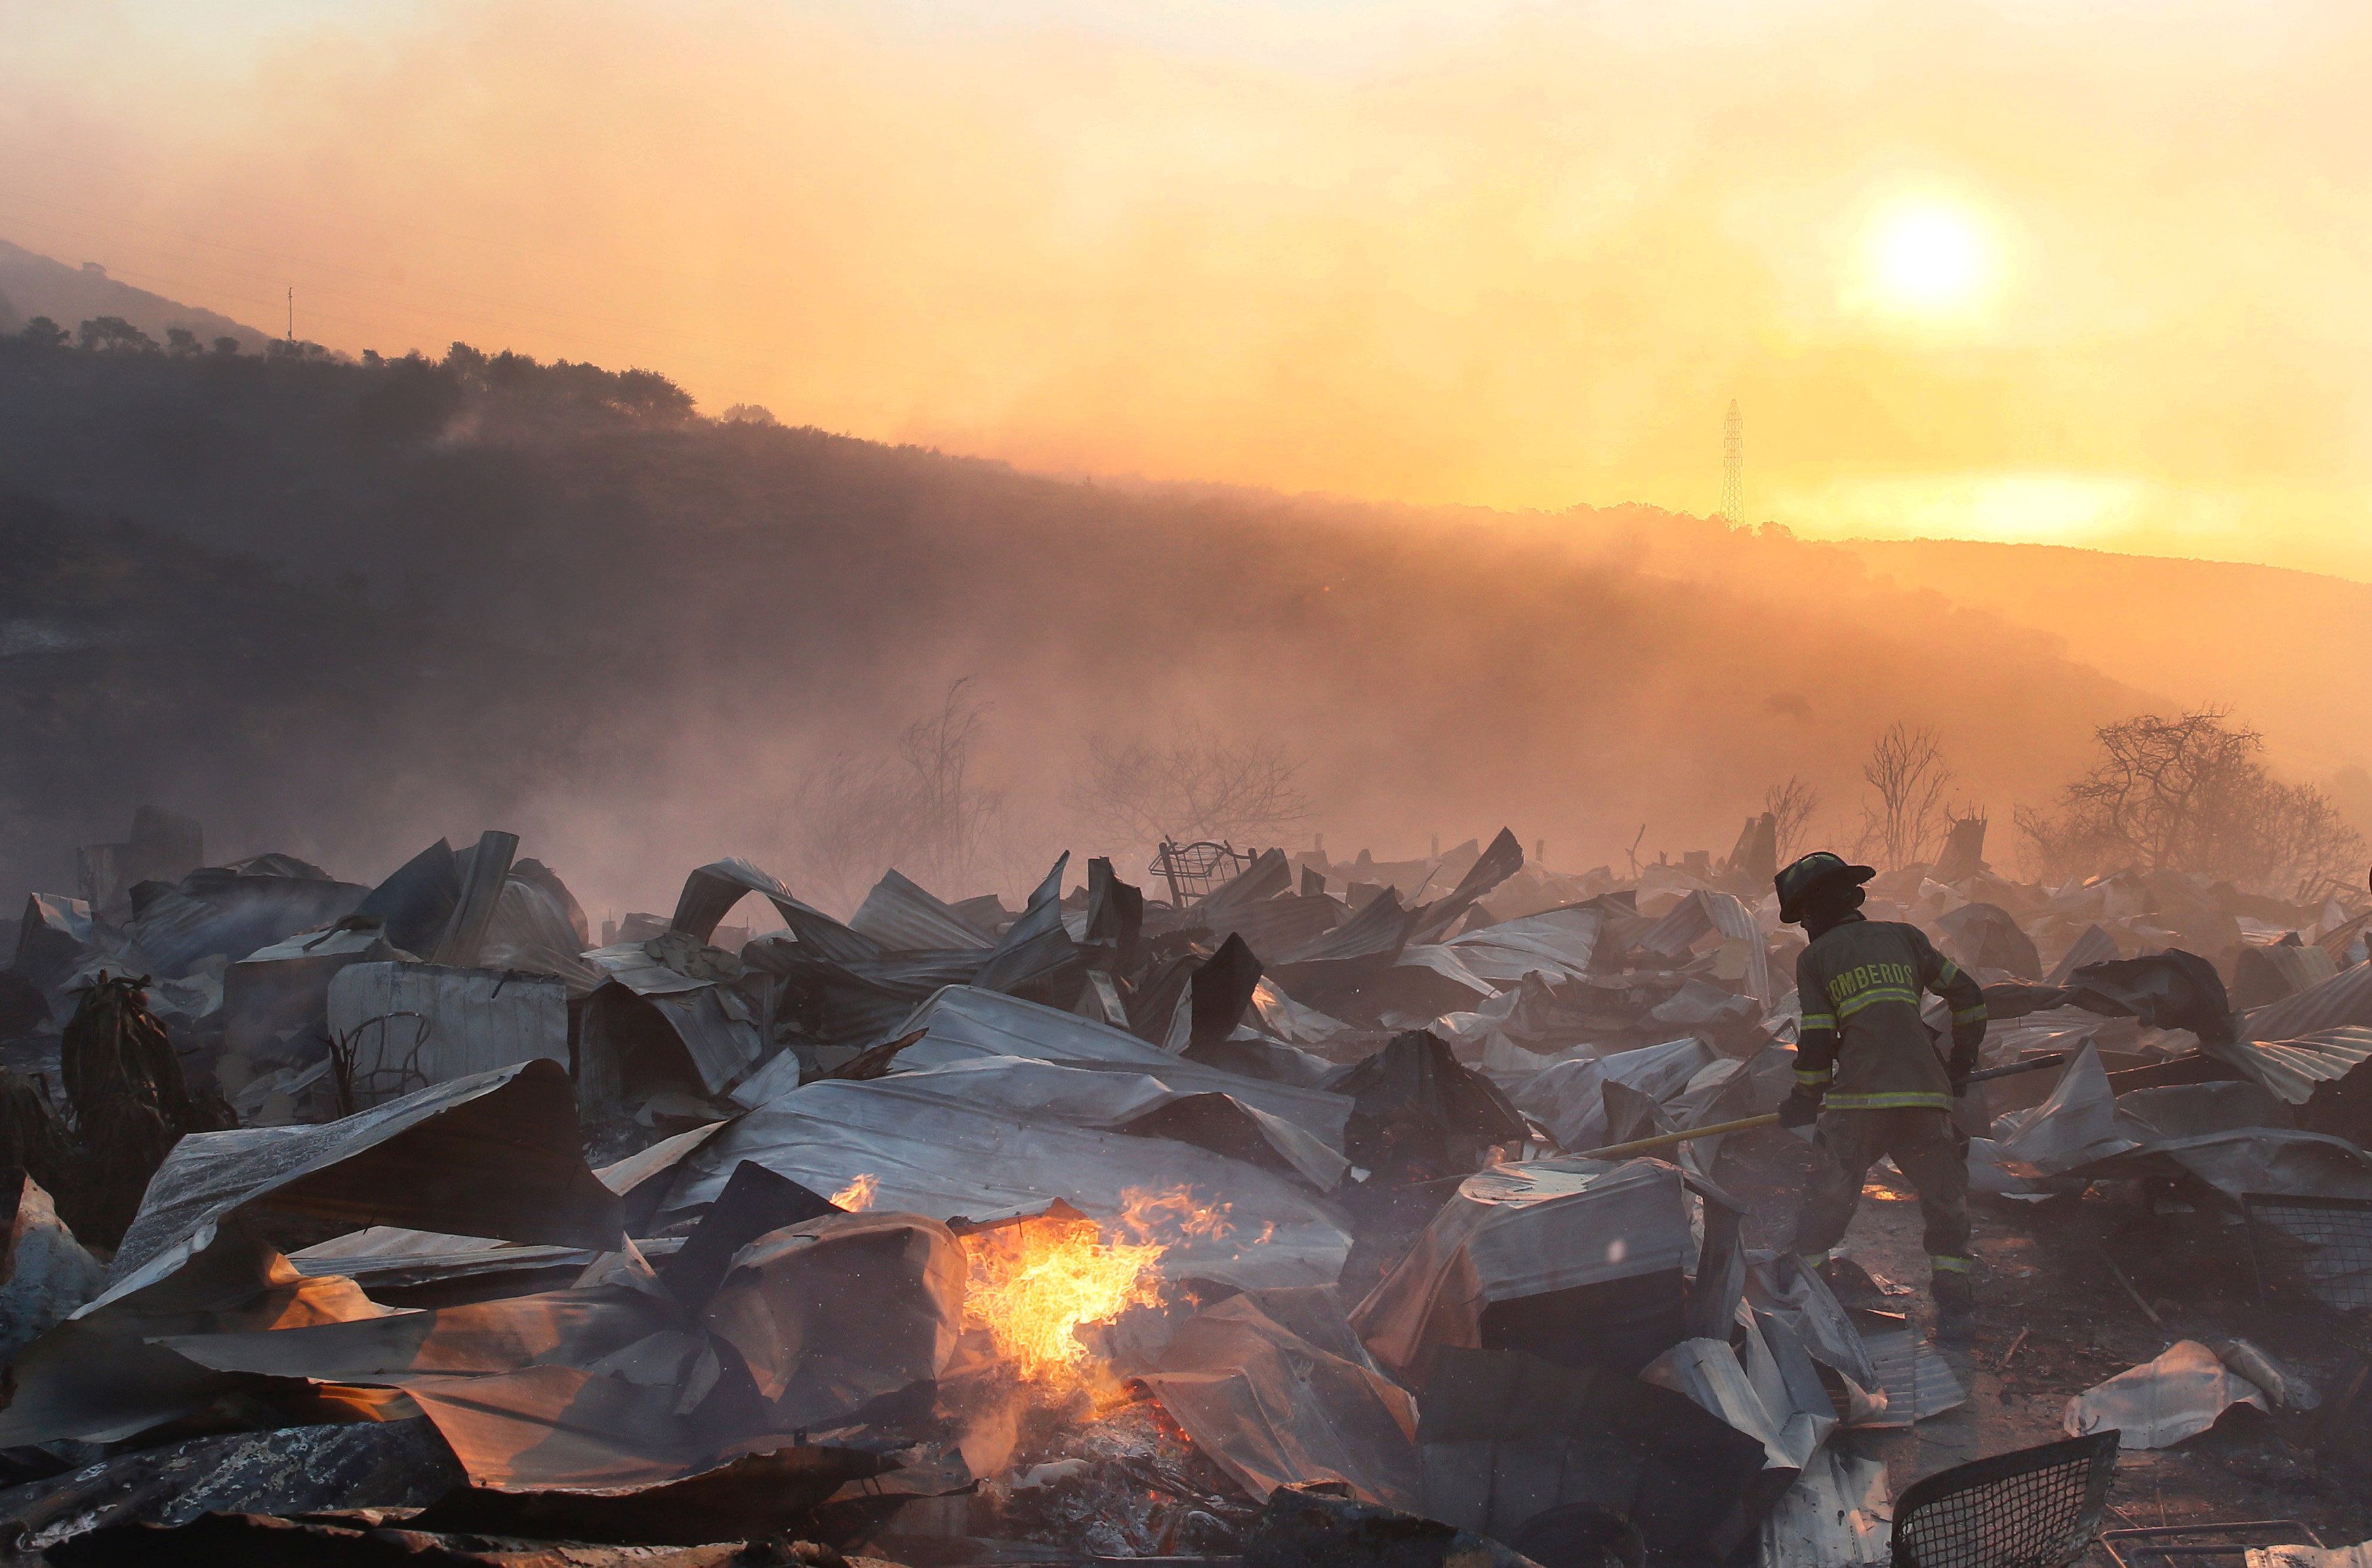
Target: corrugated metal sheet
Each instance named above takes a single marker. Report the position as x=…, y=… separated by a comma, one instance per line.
x=1265, y=878
x=962, y=1023
x=719, y=1032
x=2344, y=999
x=934, y=1152
x=711, y=889
x=217, y=913
x=412, y=1025
x=1917, y=1378
x=2292, y=1069
x=2094, y=947
x=1367, y=942
x=906, y=918
x=1559, y=944
x=1281, y=924
x=632, y=966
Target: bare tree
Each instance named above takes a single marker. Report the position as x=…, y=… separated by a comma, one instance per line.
x=923, y=810
x=2189, y=794
x=1194, y=786
x=947, y=809
x=1907, y=775
x=1791, y=805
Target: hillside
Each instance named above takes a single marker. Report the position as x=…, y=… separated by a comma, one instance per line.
x=33, y=284
x=2291, y=651
x=485, y=590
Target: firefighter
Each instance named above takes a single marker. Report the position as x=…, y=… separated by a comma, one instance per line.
x=1867, y=1075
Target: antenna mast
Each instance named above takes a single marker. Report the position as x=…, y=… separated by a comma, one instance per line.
x=1733, y=466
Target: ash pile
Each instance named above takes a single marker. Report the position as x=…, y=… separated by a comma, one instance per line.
x=1271, y=1209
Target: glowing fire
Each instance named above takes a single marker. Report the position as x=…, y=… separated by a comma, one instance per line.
x=1034, y=1283
x=857, y=1194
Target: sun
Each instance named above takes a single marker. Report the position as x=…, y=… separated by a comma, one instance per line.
x=1930, y=258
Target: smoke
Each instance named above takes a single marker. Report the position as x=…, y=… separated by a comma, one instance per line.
x=1497, y=255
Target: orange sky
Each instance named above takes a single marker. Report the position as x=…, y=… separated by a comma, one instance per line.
x=2084, y=271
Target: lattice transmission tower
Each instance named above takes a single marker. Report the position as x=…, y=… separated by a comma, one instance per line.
x=1733, y=466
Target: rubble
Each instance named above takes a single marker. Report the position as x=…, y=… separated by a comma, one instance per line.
x=1253, y=1222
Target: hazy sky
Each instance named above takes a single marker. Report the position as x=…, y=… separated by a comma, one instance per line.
x=2086, y=271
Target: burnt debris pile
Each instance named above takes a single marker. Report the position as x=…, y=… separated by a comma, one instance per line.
x=1280, y=1210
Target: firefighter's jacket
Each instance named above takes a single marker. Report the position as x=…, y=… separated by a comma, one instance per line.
x=1861, y=1041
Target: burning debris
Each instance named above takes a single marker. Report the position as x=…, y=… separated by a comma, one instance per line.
x=1352, y=1211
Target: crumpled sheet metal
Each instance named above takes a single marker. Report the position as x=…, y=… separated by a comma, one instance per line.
x=1273, y=1410
x=710, y=892
x=837, y=1311
x=573, y=1326
x=1784, y=1289
x=2232, y=1136
x=1568, y=1096
x=1703, y=913
x=1287, y=1020
x=2157, y=1404
x=1558, y=943
x=382, y=1258
x=1751, y=1393
x=1520, y=1230
x=1142, y=1104
x=906, y=918
x=1501, y=859
x=608, y=1383
x=2294, y=1068
x=498, y=1154
x=962, y=1023
x=1840, y=1514
x=99, y=1377
x=766, y=1492
x=1036, y=949
x=1918, y=1381
x=53, y=938
x=217, y=913
x=2342, y=1000
x=534, y=930
x=46, y=1277
x=1505, y=1436
x=934, y=1153
x=2075, y=1126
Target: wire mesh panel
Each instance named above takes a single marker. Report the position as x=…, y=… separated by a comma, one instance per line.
x=1193, y=870
x=2034, y=1508
x=2319, y=1246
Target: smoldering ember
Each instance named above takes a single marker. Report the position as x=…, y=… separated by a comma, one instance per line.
x=1252, y=1207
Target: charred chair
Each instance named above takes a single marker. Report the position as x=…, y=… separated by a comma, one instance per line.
x=2033, y=1508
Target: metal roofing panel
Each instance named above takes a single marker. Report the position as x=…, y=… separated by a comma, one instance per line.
x=2342, y=1000
x=431, y=1024
x=961, y=1022
x=717, y=1031
x=1558, y=942
x=934, y=1152
x=2292, y=1069
x=906, y=917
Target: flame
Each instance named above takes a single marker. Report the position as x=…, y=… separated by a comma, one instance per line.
x=857, y=1194
x=1034, y=1283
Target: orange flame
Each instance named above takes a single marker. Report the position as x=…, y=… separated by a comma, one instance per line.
x=1033, y=1285
x=857, y=1194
